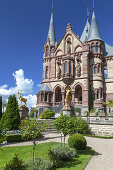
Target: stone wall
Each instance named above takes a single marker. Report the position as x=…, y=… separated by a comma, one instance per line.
x=101, y=129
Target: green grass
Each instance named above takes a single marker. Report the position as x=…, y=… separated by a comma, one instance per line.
x=95, y=136
x=25, y=153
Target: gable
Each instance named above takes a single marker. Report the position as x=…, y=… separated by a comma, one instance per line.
x=74, y=41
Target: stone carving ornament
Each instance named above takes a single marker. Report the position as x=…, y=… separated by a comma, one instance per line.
x=78, y=69
x=58, y=70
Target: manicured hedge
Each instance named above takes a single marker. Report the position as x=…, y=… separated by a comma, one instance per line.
x=77, y=141
x=11, y=138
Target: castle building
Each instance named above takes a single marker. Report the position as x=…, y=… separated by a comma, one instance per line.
x=84, y=64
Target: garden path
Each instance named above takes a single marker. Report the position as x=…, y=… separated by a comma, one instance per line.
x=102, y=159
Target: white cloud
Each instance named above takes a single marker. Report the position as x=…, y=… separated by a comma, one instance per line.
x=38, y=85
x=31, y=100
x=23, y=84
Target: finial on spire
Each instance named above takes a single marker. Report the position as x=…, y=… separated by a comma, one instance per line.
x=52, y=5
x=93, y=5
x=88, y=13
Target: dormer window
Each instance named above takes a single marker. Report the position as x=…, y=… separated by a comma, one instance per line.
x=47, y=51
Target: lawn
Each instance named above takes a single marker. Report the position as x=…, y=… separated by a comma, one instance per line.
x=25, y=153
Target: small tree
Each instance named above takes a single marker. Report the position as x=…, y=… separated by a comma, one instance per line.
x=11, y=118
x=32, y=111
x=0, y=107
x=61, y=124
x=109, y=103
x=31, y=130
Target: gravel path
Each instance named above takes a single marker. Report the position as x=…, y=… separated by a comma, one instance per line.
x=103, y=158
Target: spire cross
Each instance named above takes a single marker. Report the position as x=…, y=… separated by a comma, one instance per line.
x=52, y=5
x=93, y=5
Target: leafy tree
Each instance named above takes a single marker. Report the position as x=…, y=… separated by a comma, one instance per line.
x=33, y=109
x=0, y=107
x=109, y=103
x=11, y=118
x=61, y=124
x=31, y=130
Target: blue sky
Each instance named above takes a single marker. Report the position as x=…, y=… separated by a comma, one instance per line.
x=23, y=31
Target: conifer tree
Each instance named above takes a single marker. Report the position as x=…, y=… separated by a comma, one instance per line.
x=0, y=107
x=11, y=118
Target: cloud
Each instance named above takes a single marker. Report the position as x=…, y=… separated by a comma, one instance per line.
x=31, y=100
x=23, y=84
x=39, y=85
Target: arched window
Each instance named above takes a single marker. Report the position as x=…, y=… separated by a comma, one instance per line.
x=46, y=71
x=95, y=70
x=47, y=51
x=58, y=95
x=78, y=93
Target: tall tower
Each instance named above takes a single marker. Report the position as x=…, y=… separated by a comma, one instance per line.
x=96, y=64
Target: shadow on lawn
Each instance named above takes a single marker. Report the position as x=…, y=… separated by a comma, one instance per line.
x=70, y=164
x=87, y=151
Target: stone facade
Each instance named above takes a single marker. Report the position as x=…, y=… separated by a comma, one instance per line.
x=84, y=64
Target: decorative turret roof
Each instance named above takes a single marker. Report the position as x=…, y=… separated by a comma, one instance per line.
x=94, y=31
x=45, y=88
x=51, y=33
x=108, y=50
x=85, y=33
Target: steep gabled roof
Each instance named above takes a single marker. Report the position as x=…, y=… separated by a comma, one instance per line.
x=51, y=33
x=94, y=31
x=85, y=33
x=45, y=88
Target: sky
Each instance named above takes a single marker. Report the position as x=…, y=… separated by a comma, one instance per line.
x=24, y=27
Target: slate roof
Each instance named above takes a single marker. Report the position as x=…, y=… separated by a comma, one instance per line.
x=85, y=33
x=45, y=88
x=108, y=50
x=51, y=33
x=94, y=31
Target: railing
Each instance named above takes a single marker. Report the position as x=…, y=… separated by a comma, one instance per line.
x=58, y=103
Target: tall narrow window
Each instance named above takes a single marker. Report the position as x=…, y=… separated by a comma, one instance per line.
x=69, y=67
x=105, y=72
x=46, y=71
x=92, y=48
x=42, y=97
x=97, y=94
x=101, y=93
x=45, y=97
x=96, y=48
x=66, y=67
x=47, y=51
x=95, y=70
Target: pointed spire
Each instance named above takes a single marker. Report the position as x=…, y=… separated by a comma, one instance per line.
x=94, y=31
x=51, y=33
x=85, y=33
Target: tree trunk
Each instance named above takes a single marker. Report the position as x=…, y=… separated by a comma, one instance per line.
x=34, y=150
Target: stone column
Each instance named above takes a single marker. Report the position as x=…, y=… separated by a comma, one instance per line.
x=63, y=99
x=53, y=98
x=73, y=97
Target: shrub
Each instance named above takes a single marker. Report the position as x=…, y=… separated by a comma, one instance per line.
x=40, y=164
x=15, y=164
x=59, y=154
x=47, y=114
x=77, y=141
x=13, y=138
